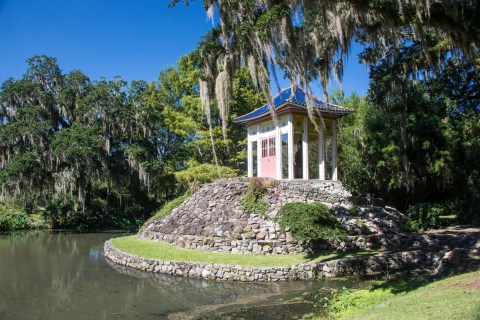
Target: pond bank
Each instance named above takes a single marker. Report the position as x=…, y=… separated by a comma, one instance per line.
x=437, y=258
x=54, y=276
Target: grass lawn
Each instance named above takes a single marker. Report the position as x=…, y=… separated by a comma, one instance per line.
x=168, y=252
x=456, y=297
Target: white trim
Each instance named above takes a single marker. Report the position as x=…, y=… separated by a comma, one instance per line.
x=305, y=148
x=278, y=153
x=267, y=134
x=334, y=151
x=259, y=153
x=249, y=156
x=321, y=151
x=291, y=172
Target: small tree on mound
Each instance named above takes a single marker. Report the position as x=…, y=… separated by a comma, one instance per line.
x=252, y=202
x=309, y=221
x=198, y=175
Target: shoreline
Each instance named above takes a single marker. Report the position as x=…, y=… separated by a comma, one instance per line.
x=437, y=261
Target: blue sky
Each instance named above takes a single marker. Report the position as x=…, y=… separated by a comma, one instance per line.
x=105, y=38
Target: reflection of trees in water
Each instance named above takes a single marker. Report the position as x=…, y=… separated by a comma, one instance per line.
x=60, y=291
x=47, y=272
x=64, y=276
x=193, y=292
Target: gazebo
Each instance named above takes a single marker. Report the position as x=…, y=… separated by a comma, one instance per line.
x=294, y=149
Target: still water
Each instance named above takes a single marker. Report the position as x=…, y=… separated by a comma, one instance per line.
x=48, y=275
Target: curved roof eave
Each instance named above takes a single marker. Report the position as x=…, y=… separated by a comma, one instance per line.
x=266, y=113
x=297, y=99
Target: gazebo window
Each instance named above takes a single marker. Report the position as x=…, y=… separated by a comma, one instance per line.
x=264, y=148
x=271, y=147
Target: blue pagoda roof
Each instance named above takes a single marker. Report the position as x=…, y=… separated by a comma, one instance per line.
x=285, y=97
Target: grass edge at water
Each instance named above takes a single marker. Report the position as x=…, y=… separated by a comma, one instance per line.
x=169, y=252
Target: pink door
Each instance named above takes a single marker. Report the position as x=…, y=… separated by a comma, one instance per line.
x=268, y=159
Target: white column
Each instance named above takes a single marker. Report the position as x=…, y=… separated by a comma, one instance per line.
x=278, y=152
x=291, y=172
x=321, y=151
x=334, y=150
x=249, y=154
x=259, y=153
x=305, y=148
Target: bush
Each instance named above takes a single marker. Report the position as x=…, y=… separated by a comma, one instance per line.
x=12, y=218
x=310, y=221
x=62, y=210
x=252, y=202
x=423, y=216
x=13, y=221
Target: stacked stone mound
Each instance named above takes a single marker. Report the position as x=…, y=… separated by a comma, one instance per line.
x=434, y=253
x=213, y=219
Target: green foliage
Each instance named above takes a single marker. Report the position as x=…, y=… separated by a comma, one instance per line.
x=36, y=221
x=339, y=300
x=268, y=19
x=22, y=167
x=202, y=174
x=231, y=152
x=106, y=154
x=309, y=221
x=447, y=298
x=415, y=141
x=12, y=217
x=252, y=201
x=423, y=216
x=63, y=211
x=14, y=221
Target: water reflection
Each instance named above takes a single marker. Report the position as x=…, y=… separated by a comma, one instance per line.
x=192, y=292
x=65, y=276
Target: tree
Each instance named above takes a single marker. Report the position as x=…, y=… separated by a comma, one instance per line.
x=416, y=141
x=104, y=153
x=311, y=39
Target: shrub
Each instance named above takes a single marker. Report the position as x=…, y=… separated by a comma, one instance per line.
x=202, y=174
x=423, y=216
x=310, y=221
x=252, y=202
x=12, y=218
x=62, y=210
x=13, y=221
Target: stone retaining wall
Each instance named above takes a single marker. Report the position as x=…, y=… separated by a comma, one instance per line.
x=378, y=264
x=228, y=245
x=211, y=271
x=215, y=212
x=349, y=244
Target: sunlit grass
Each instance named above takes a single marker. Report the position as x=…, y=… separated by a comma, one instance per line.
x=168, y=252
x=456, y=297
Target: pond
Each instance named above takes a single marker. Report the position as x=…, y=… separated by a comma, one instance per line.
x=53, y=275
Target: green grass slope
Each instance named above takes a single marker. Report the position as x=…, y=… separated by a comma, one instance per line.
x=456, y=297
x=168, y=252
